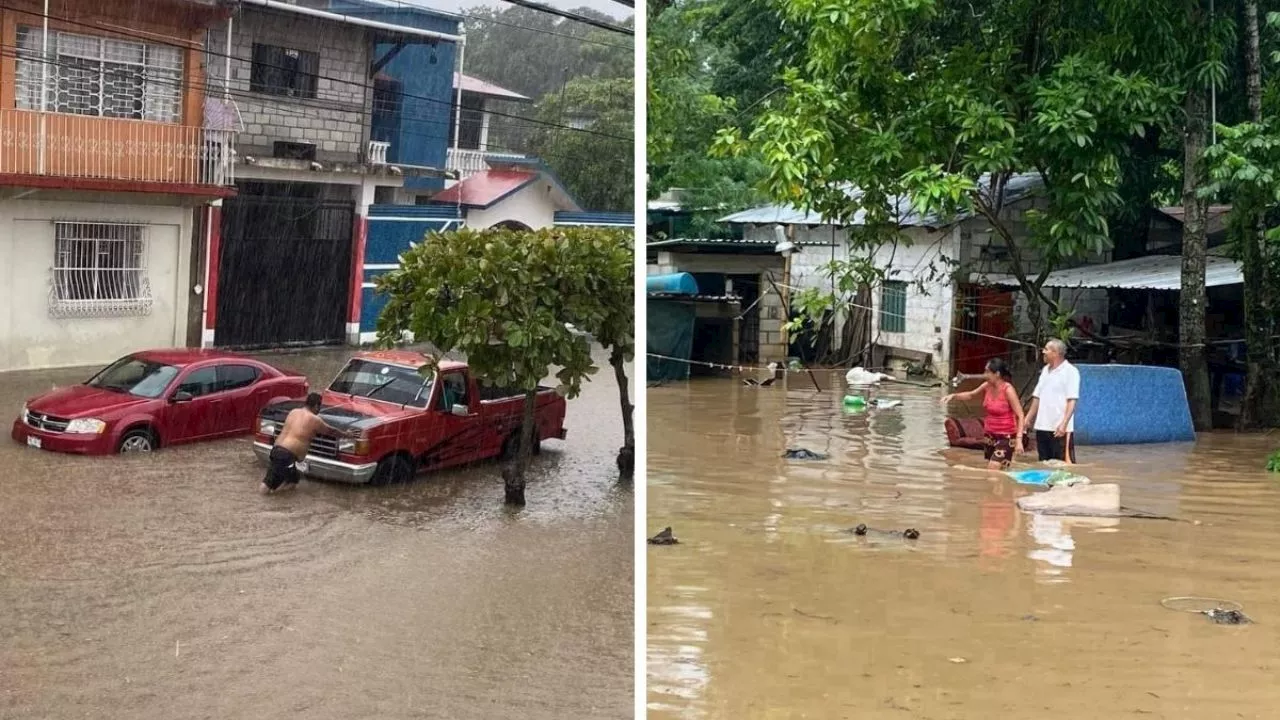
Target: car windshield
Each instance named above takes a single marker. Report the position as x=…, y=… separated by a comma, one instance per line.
x=379, y=381
x=135, y=377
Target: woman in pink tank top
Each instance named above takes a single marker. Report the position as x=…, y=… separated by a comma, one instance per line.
x=1004, y=423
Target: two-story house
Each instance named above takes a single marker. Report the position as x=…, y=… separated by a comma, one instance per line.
x=104, y=156
x=286, y=254
x=347, y=155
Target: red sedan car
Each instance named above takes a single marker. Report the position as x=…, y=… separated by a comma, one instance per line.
x=154, y=398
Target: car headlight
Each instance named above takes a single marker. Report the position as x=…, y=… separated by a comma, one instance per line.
x=267, y=427
x=354, y=446
x=86, y=426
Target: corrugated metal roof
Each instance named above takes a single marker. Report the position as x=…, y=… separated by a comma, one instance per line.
x=1018, y=187
x=1154, y=272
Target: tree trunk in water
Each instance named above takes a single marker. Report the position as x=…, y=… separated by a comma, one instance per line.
x=513, y=475
x=627, y=455
x=1259, y=323
x=1191, y=305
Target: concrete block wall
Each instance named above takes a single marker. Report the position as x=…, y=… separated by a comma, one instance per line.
x=773, y=347
x=336, y=120
x=931, y=308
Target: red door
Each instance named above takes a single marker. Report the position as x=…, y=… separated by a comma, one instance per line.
x=984, y=318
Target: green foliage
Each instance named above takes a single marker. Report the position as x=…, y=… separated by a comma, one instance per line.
x=598, y=170
x=711, y=64
x=585, y=78
x=503, y=297
x=1273, y=462
x=938, y=102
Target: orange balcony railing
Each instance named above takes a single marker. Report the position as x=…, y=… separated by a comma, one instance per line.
x=86, y=146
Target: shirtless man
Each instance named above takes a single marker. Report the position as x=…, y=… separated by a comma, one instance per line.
x=291, y=446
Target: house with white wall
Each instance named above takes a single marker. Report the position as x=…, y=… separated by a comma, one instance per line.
x=98, y=190
x=917, y=314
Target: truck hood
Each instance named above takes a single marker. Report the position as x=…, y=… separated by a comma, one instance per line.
x=342, y=411
x=82, y=401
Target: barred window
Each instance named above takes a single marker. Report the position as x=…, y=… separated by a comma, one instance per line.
x=100, y=270
x=100, y=76
x=893, y=306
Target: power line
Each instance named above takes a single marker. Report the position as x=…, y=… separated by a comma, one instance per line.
x=363, y=86
x=412, y=6
x=181, y=85
x=332, y=105
x=572, y=16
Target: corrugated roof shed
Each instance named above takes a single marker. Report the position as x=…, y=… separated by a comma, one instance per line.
x=1018, y=188
x=1154, y=272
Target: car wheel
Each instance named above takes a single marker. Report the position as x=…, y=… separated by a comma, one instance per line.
x=138, y=440
x=394, y=470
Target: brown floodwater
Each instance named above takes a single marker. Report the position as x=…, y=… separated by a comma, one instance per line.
x=767, y=609
x=167, y=587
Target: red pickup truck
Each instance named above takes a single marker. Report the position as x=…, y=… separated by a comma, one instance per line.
x=409, y=421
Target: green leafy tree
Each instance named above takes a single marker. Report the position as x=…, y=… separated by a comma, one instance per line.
x=943, y=104
x=597, y=166
x=501, y=297
x=538, y=55
x=710, y=66
x=610, y=256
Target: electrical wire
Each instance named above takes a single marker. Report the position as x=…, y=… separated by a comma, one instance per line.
x=334, y=80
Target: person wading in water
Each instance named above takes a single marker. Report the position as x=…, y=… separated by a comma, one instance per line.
x=294, y=441
x=1004, y=423
x=1053, y=405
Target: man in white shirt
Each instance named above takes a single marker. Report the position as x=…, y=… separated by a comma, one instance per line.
x=1053, y=405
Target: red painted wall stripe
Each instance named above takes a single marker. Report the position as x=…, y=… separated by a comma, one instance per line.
x=213, y=256
x=357, y=267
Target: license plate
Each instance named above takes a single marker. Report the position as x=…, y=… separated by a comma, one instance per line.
x=33, y=441
x=302, y=466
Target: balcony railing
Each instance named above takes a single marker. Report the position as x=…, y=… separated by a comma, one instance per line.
x=470, y=162
x=91, y=147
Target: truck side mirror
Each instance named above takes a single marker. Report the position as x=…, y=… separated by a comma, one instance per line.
x=181, y=397
x=461, y=410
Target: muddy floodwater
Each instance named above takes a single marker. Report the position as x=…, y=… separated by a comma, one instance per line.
x=766, y=609
x=166, y=586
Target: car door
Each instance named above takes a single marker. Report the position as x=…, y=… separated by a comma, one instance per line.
x=241, y=395
x=456, y=437
x=195, y=418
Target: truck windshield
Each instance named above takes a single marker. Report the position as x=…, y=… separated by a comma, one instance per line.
x=135, y=377
x=388, y=383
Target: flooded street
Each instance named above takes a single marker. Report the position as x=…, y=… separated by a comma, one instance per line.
x=767, y=609
x=166, y=586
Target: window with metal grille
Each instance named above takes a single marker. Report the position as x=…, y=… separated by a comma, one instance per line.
x=893, y=306
x=100, y=270
x=106, y=77
x=284, y=71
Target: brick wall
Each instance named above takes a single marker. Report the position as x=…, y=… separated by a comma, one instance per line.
x=336, y=120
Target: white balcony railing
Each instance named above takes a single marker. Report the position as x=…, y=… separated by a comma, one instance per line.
x=378, y=152
x=470, y=162
x=91, y=147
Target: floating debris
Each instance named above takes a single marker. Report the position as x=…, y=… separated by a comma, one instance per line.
x=1220, y=612
x=802, y=454
x=664, y=538
x=861, y=530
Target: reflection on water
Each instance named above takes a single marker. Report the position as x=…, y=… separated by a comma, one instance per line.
x=768, y=607
x=168, y=587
